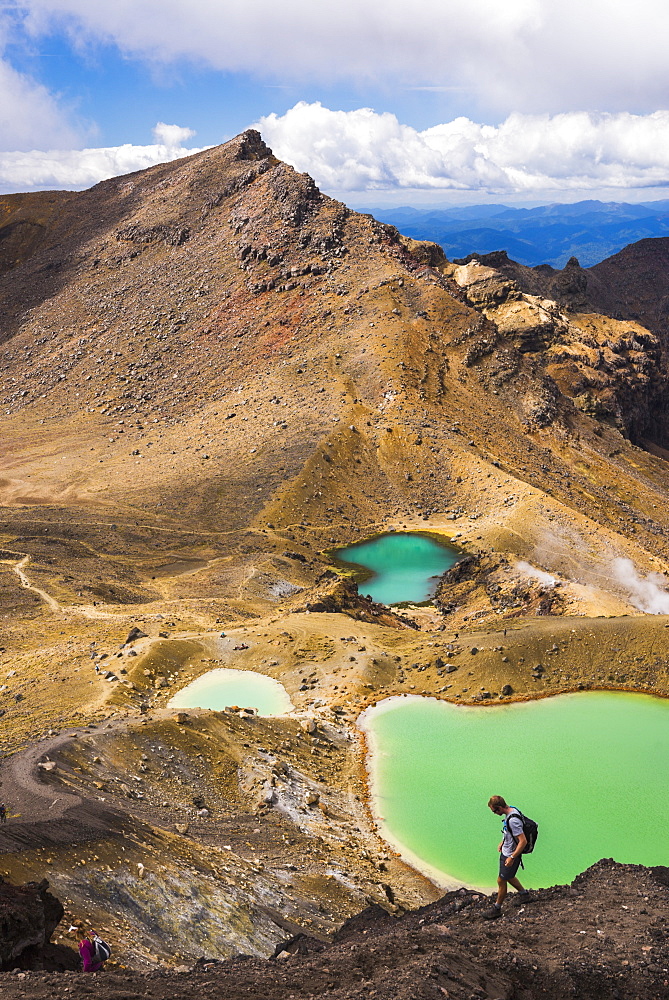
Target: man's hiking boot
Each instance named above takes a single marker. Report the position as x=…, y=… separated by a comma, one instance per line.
x=493, y=913
x=524, y=897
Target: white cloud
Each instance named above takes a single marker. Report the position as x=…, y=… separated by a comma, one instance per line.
x=29, y=114
x=81, y=168
x=362, y=151
x=172, y=136
x=528, y=55
x=578, y=152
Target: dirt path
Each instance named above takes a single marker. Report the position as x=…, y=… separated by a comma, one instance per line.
x=25, y=582
x=49, y=815
x=85, y=610
x=21, y=782
x=22, y=779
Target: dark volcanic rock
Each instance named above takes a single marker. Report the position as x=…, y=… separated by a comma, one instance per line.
x=134, y=634
x=601, y=938
x=28, y=917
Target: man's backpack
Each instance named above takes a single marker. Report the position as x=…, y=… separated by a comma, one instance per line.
x=530, y=829
x=102, y=949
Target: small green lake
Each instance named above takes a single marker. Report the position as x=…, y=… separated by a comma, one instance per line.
x=399, y=566
x=222, y=687
x=590, y=768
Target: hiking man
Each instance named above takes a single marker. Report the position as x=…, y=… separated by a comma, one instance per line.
x=510, y=853
x=3, y=812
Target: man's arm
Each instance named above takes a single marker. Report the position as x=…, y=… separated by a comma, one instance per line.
x=521, y=841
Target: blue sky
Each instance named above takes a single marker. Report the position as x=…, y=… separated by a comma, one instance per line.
x=116, y=98
x=381, y=100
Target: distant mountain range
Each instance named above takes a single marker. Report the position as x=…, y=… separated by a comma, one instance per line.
x=550, y=234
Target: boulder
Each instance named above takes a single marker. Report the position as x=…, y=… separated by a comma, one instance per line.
x=28, y=917
x=135, y=633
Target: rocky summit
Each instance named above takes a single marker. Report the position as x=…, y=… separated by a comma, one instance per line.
x=212, y=375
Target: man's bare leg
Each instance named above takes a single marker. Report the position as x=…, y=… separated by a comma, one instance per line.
x=502, y=884
x=501, y=890
x=502, y=887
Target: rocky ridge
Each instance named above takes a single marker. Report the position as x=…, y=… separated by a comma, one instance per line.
x=601, y=937
x=604, y=328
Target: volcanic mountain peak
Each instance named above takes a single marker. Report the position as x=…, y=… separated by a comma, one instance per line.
x=221, y=309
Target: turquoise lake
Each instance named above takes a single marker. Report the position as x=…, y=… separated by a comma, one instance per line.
x=222, y=687
x=399, y=566
x=591, y=768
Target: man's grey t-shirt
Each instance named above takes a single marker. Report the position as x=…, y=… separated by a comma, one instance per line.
x=514, y=822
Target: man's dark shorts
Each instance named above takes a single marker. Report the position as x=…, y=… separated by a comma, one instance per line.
x=508, y=871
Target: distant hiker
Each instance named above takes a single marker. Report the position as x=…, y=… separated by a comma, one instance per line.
x=510, y=849
x=93, y=950
x=3, y=812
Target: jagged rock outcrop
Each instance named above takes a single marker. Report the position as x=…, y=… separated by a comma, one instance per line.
x=612, y=369
x=28, y=917
x=633, y=284
x=333, y=594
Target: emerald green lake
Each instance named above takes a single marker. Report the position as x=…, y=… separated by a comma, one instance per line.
x=399, y=566
x=590, y=768
x=222, y=687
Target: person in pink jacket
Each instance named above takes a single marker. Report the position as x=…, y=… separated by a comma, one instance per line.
x=87, y=951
